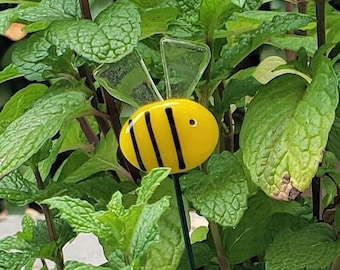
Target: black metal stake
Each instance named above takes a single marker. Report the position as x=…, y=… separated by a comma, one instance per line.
x=184, y=224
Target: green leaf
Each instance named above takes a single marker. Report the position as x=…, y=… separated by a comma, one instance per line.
x=333, y=144
x=13, y=243
x=79, y=214
x=329, y=190
x=167, y=251
x=73, y=137
x=116, y=261
x=265, y=15
x=27, y=224
x=49, y=10
x=199, y=234
x=333, y=25
x=37, y=59
x=149, y=184
x=146, y=229
x=113, y=34
x=248, y=238
x=311, y=248
x=80, y=165
x=252, y=4
x=98, y=6
x=221, y=194
x=148, y=3
x=98, y=187
x=15, y=189
x=274, y=66
x=294, y=43
x=8, y=73
x=20, y=102
x=132, y=231
x=14, y=260
x=202, y=254
x=283, y=152
x=45, y=165
x=236, y=89
x=214, y=13
x=283, y=221
x=74, y=265
x=186, y=24
x=249, y=42
x=36, y=26
x=5, y=18
x=156, y=21
x=27, y=134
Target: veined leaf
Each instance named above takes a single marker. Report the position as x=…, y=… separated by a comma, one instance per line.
x=155, y=21
x=113, y=34
x=27, y=134
x=214, y=13
x=79, y=214
x=5, y=18
x=148, y=3
x=130, y=232
x=8, y=73
x=294, y=43
x=37, y=59
x=14, y=260
x=74, y=265
x=249, y=42
x=19, y=103
x=334, y=136
x=150, y=182
x=166, y=253
x=248, y=239
x=49, y=10
x=15, y=189
x=221, y=194
x=311, y=248
x=81, y=165
x=286, y=128
x=333, y=25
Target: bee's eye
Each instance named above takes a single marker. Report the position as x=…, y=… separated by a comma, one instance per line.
x=193, y=122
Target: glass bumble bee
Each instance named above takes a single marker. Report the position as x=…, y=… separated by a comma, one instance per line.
x=177, y=132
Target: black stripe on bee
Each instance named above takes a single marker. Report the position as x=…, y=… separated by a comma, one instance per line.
x=172, y=124
x=135, y=146
x=153, y=138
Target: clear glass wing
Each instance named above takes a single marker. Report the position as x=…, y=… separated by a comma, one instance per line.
x=184, y=63
x=128, y=80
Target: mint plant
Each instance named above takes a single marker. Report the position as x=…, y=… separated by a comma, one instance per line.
x=279, y=126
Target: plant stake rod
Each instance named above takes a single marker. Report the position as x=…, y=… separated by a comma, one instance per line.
x=184, y=224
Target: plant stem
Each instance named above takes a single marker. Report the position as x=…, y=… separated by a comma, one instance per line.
x=85, y=9
x=222, y=259
x=290, y=55
x=110, y=106
x=321, y=35
x=336, y=264
x=59, y=258
x=204, y=99
x=116, y=126
x=90, y=136
x=320, y=23
x=228, y=119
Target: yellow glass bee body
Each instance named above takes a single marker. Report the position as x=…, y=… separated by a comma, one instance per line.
x=176, y=133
